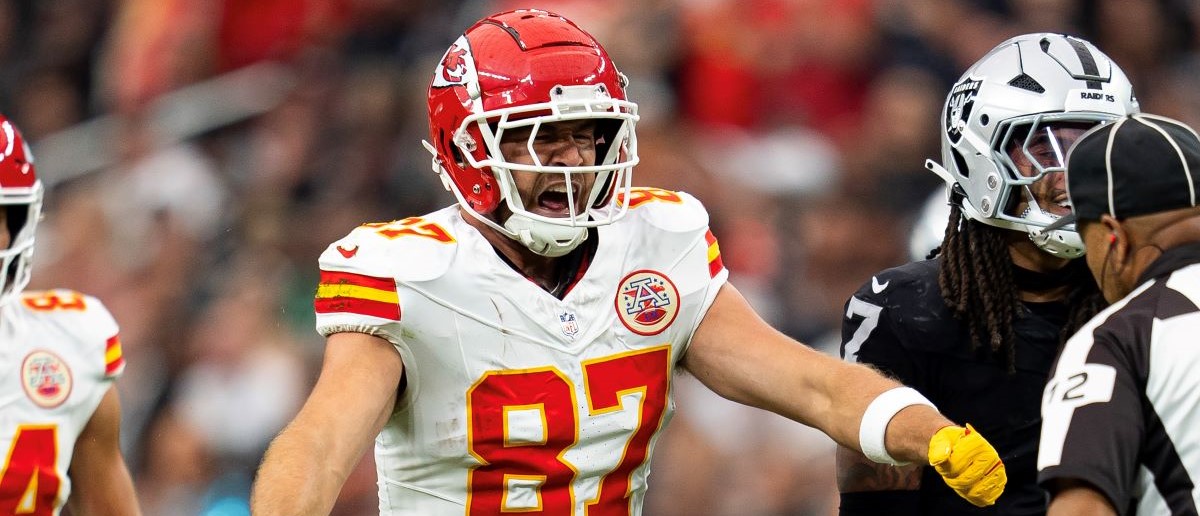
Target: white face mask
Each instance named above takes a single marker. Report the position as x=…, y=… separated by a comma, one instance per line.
x=616, y=154
x=16, y=261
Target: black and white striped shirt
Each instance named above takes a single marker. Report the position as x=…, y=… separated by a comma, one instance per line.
x=1122, y=409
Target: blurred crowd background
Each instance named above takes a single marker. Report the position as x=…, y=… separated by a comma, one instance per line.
x=202, y=153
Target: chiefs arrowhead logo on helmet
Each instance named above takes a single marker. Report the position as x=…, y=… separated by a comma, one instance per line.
x=453, y=65
x=457, y=67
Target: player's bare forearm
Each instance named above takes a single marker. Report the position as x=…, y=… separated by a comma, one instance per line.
x=306, y=465
x=293, y=478
x=739, y=356
x=856, y=473
x=101, y=482
x=1075, y=497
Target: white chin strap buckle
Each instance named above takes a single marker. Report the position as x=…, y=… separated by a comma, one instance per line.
x=545, y=239
x=1054, y=237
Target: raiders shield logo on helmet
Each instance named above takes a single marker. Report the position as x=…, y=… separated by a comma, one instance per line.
x=958, y=107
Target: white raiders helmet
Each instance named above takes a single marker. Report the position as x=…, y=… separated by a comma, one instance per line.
x=1029, y=85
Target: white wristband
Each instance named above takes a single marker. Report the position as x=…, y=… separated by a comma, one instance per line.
x=875, y=420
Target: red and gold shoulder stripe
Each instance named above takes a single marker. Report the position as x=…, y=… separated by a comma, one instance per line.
x=358, y=294
x=715, y=265
x=114, y=358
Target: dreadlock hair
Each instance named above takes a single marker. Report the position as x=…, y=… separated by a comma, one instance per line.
x=977, y=284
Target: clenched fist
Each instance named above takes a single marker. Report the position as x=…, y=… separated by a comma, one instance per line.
x=969, y=464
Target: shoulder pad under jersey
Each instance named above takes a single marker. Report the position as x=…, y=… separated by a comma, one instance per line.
x=914, y=283
x=676, y=212
x=85, y=318
x=83, y=315
x=912, y=305
x=410, y=249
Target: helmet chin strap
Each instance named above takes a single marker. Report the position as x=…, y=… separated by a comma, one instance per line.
x=549, y=240
x=1050, y=236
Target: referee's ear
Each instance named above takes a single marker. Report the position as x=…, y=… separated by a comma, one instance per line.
x=1117, y=240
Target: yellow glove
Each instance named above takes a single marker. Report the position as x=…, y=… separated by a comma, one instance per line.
x=969, y=464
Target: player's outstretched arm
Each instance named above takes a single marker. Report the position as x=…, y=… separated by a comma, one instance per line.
x=100, y=480
x=306, y=465
x=739, y=356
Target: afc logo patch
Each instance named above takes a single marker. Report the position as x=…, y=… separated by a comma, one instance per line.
x=46, y=378
x=958, y=107
x=647, y=302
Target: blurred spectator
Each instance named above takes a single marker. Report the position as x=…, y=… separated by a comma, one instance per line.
x=884, y=163
x=245, y=376
x=177, y=469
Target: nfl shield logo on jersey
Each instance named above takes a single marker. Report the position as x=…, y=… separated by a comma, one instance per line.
x=647, y=302
x=46, y=378
x=570, y=325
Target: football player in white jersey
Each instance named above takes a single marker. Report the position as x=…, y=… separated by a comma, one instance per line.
x=514, y=352
x=59, y=416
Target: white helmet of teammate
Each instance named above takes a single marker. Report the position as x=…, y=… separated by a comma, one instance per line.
x=1022, y=94
x=929, y=229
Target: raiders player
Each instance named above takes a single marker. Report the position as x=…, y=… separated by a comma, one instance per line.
x=976, y=328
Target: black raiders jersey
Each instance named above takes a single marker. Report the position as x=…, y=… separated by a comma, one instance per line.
x=898, y=323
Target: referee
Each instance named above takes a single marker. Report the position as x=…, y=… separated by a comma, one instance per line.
x=1121, y=413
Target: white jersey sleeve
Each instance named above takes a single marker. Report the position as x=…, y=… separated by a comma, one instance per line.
x=85, y=321
x=359, y=273
x=676, y=228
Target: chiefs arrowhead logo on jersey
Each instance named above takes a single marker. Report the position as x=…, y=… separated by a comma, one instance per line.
x=457, y=66
x=958, y=107
x=46, y=378
x=647, y=302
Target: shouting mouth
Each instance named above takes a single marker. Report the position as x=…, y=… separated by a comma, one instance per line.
x=554, y=202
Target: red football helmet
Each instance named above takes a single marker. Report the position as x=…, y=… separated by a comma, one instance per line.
x=524, y=69
x=21, y=198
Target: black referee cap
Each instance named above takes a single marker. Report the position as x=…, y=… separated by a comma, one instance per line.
x=1137, y=165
